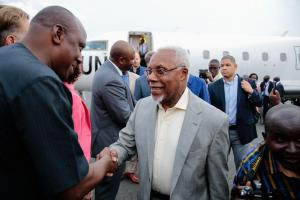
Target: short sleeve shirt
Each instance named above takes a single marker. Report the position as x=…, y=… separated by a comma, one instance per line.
x=39, y=152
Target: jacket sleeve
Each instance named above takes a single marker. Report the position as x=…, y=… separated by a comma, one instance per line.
x=217, y=167
x=254, y=98
x=115, y=99
x=125, y=145
x=204, y=94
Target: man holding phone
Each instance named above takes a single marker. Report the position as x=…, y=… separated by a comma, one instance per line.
x=213, y=73
x=238, y=99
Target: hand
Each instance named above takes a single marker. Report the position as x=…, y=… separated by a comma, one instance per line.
x=236, y=191
x=88, y=196
x=275, y=99
x=209, y=76
x=246, y=87
x=112, y=160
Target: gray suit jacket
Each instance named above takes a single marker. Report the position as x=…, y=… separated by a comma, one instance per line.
x=200, y=169
x=112, y=104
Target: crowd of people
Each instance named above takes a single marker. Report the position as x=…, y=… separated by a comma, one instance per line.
x=177, y=128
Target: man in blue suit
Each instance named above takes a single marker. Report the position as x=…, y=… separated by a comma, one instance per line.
x=237, y=98
x=198, y=87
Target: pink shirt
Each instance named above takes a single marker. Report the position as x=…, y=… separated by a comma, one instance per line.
x=82, y=122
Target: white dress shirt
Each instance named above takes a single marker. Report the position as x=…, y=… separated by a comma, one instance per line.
x=168, y=127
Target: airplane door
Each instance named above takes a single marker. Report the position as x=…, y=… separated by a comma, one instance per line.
x=297, y=52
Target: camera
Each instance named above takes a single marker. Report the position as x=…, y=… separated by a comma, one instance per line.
x=246, y=192
x=202, y=73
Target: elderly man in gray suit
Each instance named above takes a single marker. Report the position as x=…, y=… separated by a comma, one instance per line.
x=182, y=142
x=112, y=104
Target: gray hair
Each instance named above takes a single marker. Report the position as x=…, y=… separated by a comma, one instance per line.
x=181, y=55
x=148, y=56
x=231, y=58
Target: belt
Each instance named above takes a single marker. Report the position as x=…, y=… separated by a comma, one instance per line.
x=233, y=127
x=157, y=195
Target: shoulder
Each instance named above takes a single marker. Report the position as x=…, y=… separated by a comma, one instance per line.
x=196, y=79
x=24, y=65
x=199, y=105
x=106, y=73
x=217, y=83
x=251, y=162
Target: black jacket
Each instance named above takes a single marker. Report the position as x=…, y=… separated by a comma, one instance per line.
x=245, y=118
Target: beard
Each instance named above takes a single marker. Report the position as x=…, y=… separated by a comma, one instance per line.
x=158, y=99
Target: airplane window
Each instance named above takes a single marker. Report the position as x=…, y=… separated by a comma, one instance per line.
x=265, y=56
x=225, y=53
x=283, y=57
x=245, y=55
x=206, y=54
x=96, y=45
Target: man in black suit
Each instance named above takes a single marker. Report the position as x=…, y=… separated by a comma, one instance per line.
x=279, y=87
x=112, y=104
x=266, y=87
x=237, y=98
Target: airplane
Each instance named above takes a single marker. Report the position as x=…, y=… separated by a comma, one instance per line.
x=272, y=55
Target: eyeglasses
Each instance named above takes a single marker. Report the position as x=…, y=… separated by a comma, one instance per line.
x=160, y=71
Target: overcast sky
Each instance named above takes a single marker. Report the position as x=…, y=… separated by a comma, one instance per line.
x=252, y=17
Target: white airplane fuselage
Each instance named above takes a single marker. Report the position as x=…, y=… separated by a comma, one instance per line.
x=274, y=56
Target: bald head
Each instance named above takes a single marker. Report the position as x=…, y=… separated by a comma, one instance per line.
x=56, y=37
x=122, y=55
x=283, y=114
x=120, y=48
x=52, y=15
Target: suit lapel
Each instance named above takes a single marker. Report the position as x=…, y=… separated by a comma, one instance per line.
x=221, y=93
x=239, y=93
x=129, y=96
x=188, y=132
x=151, y=118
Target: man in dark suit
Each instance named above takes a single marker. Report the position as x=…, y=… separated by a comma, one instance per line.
x=112, y=104
x=237, y=98
x=279, y=87
x=266, y=87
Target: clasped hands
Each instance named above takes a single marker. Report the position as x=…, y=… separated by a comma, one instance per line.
x=111, y=157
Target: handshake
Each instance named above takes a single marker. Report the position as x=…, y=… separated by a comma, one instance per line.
x=110, y=159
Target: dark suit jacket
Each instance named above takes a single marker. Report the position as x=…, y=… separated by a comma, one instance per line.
x=245, y=119
x=280, y=89
x=263, y=85
x=112, y=104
